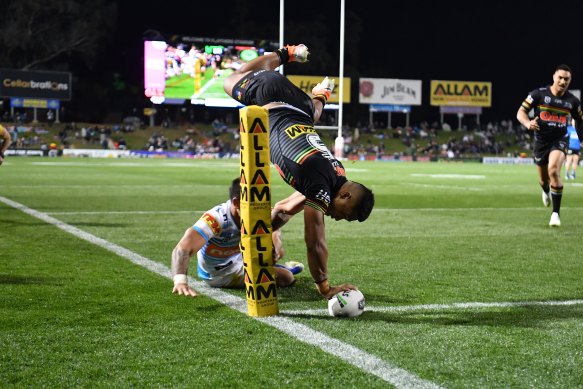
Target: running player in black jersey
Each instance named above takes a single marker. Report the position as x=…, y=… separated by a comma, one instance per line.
x=300, y=156
x=552, y=106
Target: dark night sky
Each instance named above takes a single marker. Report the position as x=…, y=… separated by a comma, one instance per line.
x=515, y=45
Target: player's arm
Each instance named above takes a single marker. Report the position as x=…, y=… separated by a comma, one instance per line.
x=315, y=237
x=278, y=251
x=286, y=208
x=5, y=143
x=191, y=242
x=522, y=114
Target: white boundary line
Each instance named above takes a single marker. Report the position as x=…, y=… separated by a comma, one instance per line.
x=376, y=210
x=443, y=307
x=369, y=363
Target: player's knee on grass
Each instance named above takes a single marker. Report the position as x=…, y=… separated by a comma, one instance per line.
x=283, y=277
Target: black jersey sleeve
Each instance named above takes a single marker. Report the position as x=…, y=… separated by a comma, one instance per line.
x=530, y=102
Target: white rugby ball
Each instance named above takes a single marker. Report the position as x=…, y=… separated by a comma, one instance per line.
x=346, y=304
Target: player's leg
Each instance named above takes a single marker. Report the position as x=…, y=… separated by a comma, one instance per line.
x=568, y=161
x=574, y=164
x=541, y=154
x=269, y=61
x=283, y=277
x=544, y=183
x=556, y=160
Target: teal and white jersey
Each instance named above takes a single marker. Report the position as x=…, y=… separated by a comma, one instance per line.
x=220, y=256
x=574, y=141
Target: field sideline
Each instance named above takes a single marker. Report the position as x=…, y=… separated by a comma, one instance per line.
x=466, y=284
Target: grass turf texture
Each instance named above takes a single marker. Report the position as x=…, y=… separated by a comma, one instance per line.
x=74, y=314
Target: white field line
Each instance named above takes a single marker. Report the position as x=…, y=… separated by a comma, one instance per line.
x=455, y=176
x=141, y=164
x=375, y=210
x=442, y=307
x=197, y=212
x=369, y=363
x=457, y=188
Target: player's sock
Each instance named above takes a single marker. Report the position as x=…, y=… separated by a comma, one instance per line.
x=546, y=197
x=556, y=196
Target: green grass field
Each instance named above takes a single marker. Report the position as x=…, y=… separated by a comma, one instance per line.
x=182, y=86
x=466, y=284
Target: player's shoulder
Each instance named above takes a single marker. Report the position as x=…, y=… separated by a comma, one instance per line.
x=540, y=91
x=572, y=97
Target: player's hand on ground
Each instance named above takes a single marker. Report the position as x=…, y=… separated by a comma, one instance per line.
x=337, y=289
x=184, y=290
x=533, y=124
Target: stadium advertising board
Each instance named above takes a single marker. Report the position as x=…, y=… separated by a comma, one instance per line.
x=35, y=84
x=389, y=91
x=307, y=83
x=464, y=93
x=193, y=68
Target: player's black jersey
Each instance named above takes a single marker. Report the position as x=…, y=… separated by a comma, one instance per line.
x=302, y=159
x=264, y=86
x=553, y=112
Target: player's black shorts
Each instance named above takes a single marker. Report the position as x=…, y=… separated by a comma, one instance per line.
x=574, y=152
x=264, y=86
x=542, y=149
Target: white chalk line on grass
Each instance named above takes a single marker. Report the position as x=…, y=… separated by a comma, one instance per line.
x=450, y=175
x=122, y=212
x=442, y=307
x=369, y=363
x=141, y=164
x=424, y=210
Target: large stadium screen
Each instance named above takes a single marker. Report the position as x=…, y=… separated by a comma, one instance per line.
x=193, y=68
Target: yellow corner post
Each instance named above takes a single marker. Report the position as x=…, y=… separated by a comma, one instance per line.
x=256, y=243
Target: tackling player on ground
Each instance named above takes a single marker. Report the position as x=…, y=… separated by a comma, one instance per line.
x=552, y=106
x=215, y=238
x=300, y=156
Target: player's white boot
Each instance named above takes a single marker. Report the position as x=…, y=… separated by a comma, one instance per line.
x=546, y=199
x=294, y=267
x=555, y=220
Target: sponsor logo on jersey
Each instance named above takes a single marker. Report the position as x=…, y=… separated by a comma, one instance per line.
x=212, y=223
x=324, y=197
x=221, y=252
x=299, y=129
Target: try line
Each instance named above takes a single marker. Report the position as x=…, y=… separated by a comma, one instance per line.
x=398, y=377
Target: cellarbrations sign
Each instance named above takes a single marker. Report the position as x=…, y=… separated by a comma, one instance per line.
x=35, y=84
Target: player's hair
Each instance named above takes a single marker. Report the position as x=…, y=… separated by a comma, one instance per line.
x=563, y=67
x=235, y=189
x=364, y=208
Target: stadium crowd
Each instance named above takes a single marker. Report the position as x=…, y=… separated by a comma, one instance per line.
x=220, y=135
